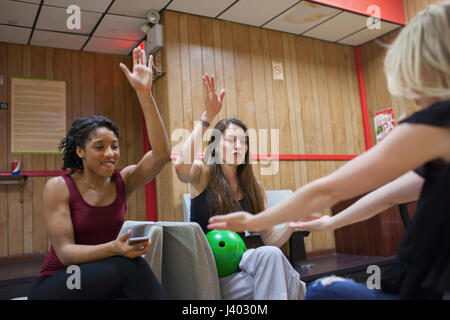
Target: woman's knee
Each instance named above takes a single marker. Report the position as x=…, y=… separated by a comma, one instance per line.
x=325, y=288
x=127, y=265
x=269, y=252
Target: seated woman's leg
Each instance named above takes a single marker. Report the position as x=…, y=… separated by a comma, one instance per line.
x=110, y=278
x=237, y=286
x=337, y=288
x=274, y=277
x=139, y=282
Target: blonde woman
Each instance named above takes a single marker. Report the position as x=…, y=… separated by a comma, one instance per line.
x=412, y=163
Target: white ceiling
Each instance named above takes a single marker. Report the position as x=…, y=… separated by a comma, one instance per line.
x=113, y=26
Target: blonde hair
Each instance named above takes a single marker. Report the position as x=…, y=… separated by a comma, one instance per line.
x=417, y=65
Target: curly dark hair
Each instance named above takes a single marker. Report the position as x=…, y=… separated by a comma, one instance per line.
x=78, y=135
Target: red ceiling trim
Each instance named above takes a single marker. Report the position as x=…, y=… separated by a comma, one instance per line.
x=390, y=10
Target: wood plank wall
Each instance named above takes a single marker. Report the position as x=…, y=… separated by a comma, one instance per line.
x=373, y=53
x=94, y=85
x=316, y=107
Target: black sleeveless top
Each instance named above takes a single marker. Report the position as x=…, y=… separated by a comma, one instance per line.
x=422, y=269
x=200, y=206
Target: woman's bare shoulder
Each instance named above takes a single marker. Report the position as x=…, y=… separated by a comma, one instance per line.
x=56, y=188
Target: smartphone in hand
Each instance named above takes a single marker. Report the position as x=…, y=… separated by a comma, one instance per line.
x=135, y=240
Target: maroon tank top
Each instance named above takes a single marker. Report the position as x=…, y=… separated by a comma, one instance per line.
x=92, y=225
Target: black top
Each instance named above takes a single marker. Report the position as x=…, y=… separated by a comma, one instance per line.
x=200, y=207
x=422, y=270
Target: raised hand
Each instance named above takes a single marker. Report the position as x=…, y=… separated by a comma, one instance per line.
x=213, y=101
x=142, y=76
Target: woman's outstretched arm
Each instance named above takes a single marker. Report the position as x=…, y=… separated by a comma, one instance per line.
x=406, y=148
x=402, y=190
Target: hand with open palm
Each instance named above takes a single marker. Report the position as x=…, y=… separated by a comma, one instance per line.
x=142, y=76
x=213, y=101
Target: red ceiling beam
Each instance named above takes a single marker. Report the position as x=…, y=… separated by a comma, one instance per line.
x=390, y=10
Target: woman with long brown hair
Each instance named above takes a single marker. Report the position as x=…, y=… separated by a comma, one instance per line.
x=224, y=182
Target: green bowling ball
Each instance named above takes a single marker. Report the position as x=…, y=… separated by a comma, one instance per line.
x=227, y=248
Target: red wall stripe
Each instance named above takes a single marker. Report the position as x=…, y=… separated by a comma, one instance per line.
x=363, y=98
x=289, y=157
x=151, y=186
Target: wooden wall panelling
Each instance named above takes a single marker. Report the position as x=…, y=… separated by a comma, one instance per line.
x=314, y=117
x=87, y=90
x=271, y=112
x=219, y=67
x=296, y=110
x=119, y=106
x=53, y=162
x=352, y=108
x=38, y=161
x=244, y=84
x=207, y=45
x=75, y=87
x=196, y=67
x=4, y=164
x=286, y=168
x=103, y=77
x=230, y=102
x=306, y=107
x=323, y=108
x=345, y=112
x=90, y=79
x=15, y=214
x=260, y=99
x=337, y=108
x=28, y=70
x=289, y=65
x=174, y=107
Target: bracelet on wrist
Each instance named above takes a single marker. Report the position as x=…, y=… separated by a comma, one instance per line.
x=205, y=123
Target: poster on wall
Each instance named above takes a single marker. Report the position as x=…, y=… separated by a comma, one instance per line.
x=384, y=123
x=38, y=115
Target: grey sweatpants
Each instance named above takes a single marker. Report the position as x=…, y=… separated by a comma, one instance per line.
x=266, y=275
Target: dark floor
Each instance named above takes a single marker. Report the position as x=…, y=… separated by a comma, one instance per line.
x=344, y=265
x=14, y=267
x=18, y=273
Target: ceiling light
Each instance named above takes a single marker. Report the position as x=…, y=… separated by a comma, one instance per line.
x=153, y=16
